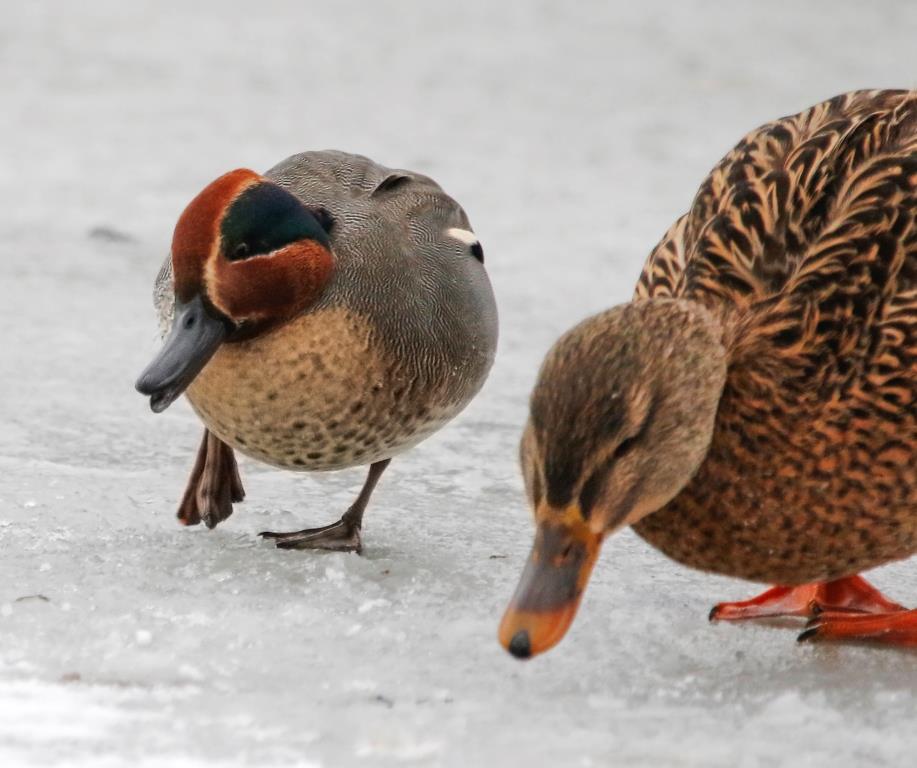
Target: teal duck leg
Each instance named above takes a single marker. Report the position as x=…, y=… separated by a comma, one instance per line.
x=342, y=536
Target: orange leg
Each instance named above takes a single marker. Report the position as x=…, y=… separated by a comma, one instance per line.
x=896, y=628
x=852, y=594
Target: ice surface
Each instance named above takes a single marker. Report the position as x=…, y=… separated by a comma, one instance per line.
x=573, y=134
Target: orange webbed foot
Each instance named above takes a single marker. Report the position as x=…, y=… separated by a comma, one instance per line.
x=852, y=594
x=895, y=628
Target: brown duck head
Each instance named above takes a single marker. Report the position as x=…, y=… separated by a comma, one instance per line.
x=621, y=417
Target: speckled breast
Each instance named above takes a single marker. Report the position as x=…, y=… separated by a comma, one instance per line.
x=324, y=392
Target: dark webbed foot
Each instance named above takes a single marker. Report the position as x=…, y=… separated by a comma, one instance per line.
x=214, y=485
x=342, y=536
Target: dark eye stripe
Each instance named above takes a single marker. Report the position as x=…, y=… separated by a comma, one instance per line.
x=591, y=488
x=265, y=218
x=590, y=491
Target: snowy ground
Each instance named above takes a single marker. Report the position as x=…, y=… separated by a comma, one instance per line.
x=573, y=133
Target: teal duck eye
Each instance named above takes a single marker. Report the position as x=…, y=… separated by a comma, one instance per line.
x=266, y=218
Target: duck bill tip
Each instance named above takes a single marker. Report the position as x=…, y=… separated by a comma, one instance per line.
x=525, y=634
x=550, y=590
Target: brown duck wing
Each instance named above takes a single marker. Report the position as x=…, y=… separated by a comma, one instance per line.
x=805, y=239
x=758, y=212
x=845, y=317
x=665, y=266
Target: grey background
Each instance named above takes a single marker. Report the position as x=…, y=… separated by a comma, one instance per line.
x=573, y=134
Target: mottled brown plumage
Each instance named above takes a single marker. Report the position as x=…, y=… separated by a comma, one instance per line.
x=802, y=240
x=799, y=258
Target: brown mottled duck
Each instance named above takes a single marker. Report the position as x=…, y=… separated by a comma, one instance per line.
x=752, y=411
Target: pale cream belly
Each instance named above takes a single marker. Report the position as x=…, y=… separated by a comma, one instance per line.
x=318, y=394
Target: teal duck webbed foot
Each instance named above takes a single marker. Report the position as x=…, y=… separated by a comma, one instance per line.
x=342, y=536
x=214, y=485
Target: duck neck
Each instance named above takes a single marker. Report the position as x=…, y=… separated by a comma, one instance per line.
x=685, y=358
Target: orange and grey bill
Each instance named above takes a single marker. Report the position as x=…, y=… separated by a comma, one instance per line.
x=550, y=589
